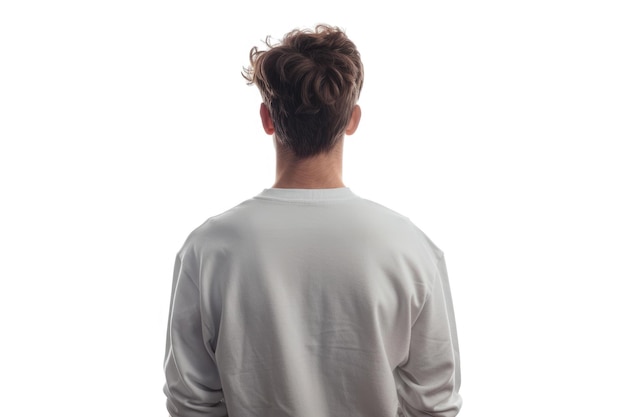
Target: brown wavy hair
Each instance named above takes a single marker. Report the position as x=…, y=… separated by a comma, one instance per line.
x=310, y=82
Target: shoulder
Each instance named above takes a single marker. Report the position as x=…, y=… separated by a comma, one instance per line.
x=400, y=220
x=217, y=228
x=398, y=228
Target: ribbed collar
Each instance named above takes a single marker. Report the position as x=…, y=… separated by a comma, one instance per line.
x=307, y=194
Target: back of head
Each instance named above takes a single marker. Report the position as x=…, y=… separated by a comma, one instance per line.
x=310, y=82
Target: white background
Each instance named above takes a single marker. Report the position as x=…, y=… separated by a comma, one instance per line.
x=496, y=126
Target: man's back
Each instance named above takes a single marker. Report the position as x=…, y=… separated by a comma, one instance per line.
x=311, y=302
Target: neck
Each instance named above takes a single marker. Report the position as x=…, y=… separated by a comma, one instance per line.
x=319, y=171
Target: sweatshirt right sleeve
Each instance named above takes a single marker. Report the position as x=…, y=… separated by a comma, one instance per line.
x=429, y=381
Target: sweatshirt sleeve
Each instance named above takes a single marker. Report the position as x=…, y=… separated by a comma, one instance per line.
x=192, y=387
x=429, y=381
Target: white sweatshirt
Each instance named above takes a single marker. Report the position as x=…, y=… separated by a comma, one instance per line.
x=311, y=303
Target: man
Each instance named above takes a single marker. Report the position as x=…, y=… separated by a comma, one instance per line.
x=307, y=300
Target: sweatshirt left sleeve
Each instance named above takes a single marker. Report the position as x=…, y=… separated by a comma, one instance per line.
x=193, y=387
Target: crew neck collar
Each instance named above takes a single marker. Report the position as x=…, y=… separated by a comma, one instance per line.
x=307, y=194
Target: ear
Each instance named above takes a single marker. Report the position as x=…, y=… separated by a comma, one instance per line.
x=353, y=124
x=266, y=119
